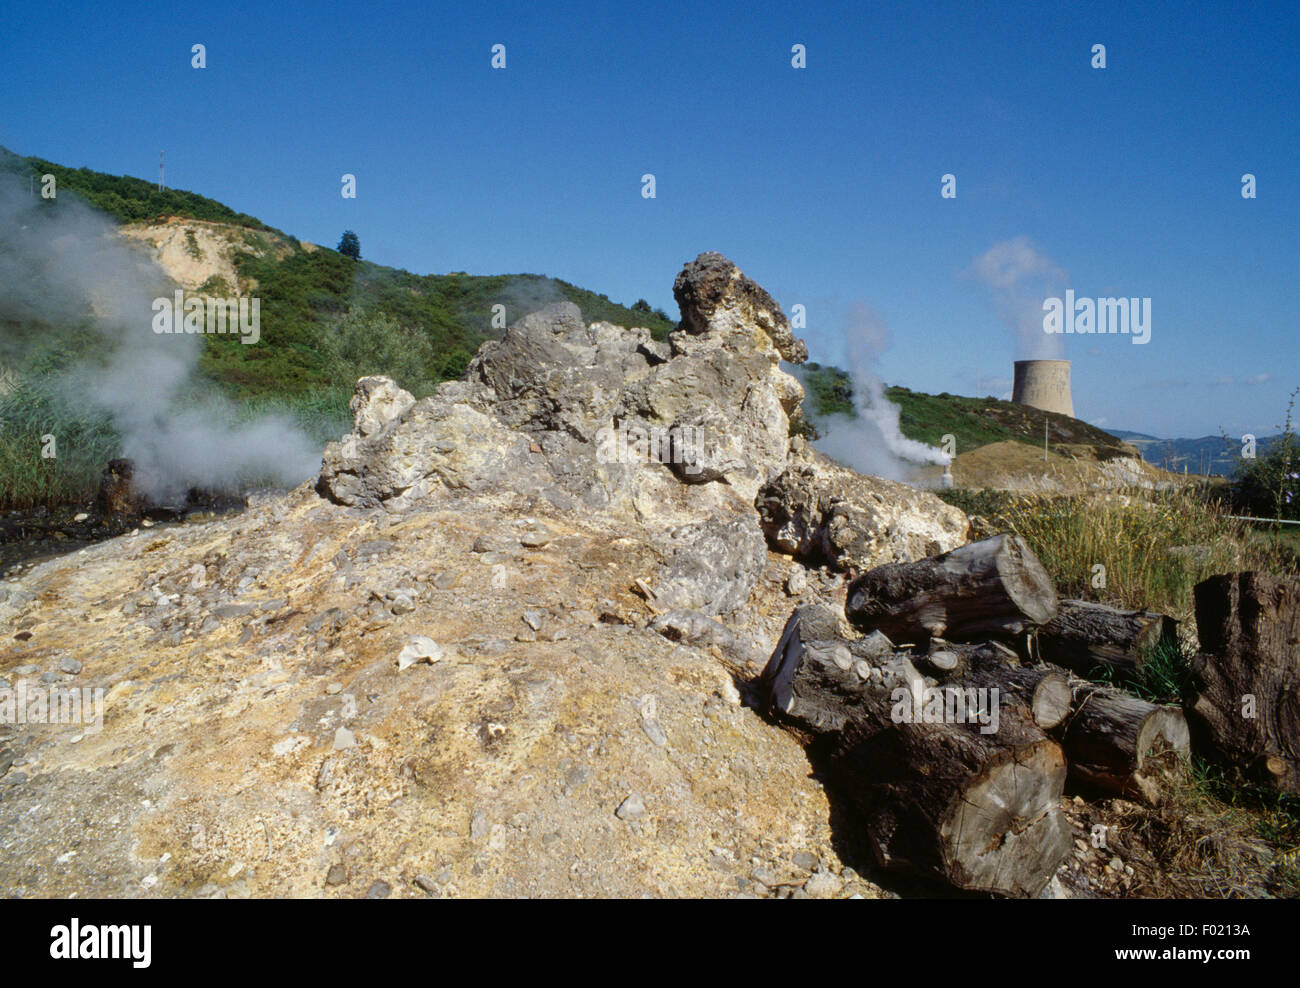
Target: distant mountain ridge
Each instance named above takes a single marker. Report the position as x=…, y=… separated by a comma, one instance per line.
x=1207, y=455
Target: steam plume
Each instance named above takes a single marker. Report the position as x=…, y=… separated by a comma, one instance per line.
x=1020, y=276
x=63, y=266
x=872, y=442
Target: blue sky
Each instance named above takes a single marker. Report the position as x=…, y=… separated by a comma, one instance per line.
x=822, y=183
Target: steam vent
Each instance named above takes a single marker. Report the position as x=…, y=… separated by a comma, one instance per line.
x=1043, y=384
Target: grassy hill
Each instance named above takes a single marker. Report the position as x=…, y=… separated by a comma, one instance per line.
x=422, y=329
x=973, y=422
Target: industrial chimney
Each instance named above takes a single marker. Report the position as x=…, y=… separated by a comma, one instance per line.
x=1043, y=384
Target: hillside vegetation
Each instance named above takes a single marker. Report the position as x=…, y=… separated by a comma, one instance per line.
x=318, y=308
x=972, y=422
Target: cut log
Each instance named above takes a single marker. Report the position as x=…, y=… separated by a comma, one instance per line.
x=995, y=588
x=1118, y=744
x=1042, y=690
x=812, y=679
x=981, y=811
x=1246, y=710
x=1085, y=635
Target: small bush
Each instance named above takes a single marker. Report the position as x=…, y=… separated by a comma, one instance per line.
x=359, y=343
x=1268, y=486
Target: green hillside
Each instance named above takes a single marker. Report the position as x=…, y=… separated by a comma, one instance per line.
x=973, y=422
x=325, y=320
x=133, y=199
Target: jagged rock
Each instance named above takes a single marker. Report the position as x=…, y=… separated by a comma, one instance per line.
x=421, y=648
x=553, y=373
x=438, y=441
x=716, y=298
x=696, y=628
x=377, y=401
x=713, y=566
x=588, y=415
x=819, y=512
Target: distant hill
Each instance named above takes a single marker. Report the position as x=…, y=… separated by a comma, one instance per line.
x=1208, y=455
x=302, y=286
x=972, y=422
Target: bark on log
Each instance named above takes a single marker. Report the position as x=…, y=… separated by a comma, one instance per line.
x=1246, y=711
x=972, y=798
x=981, y=811
x=1043, y=690
x=812, y=679
x=995, y=588
x=1118, y=744
x=1084, y=635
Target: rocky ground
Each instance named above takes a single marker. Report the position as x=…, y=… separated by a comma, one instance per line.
x=259, y=737
x=477, y=657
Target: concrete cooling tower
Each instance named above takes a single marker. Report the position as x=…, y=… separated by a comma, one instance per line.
x=1043, y=384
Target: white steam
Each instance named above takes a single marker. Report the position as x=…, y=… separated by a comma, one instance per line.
x=63, y=263
x=1020, y=277
x=872, y=443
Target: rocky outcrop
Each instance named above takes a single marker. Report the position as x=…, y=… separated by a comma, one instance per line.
x=716, y=299
x=435, y=443
x=613, y=414
x=713, y=565
x=491, y=652
x=821, y=512
x=553, y=373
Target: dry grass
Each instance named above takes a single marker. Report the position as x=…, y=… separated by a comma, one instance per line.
x=1212, y=838
x=1154, y=546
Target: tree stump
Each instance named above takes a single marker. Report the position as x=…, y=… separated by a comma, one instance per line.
x=1246, y=711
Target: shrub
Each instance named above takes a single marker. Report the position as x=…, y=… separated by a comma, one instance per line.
x=360, y=342
x=1268, y=486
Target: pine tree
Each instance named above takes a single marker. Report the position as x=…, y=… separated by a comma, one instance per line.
x=350, y=246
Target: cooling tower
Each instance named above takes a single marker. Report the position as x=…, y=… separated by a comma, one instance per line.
x=1043, y=384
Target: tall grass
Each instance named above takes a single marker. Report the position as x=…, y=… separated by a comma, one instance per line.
x=82, y=445
x=85, y=442
x=1153, y=547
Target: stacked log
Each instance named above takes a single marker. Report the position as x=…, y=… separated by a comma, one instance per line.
x=1085, y=635
x=1246, y=711
x=994, y=588
x=972, y=798
x=954, y=750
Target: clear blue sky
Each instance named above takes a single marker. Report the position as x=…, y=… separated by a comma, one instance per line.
x=822, y=183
